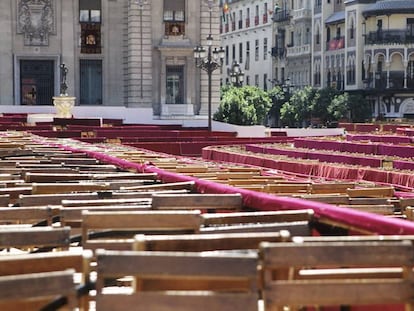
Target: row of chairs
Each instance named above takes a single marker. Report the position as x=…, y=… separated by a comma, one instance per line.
x=267, y=271
x=210, y=267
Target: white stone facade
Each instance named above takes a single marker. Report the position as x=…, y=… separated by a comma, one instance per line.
x=121, y=53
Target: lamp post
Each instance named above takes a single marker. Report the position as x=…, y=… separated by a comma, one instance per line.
x=209, y=62
x=286, y=87
x=236, y=75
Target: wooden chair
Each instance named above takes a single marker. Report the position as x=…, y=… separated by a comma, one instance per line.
x=124, y=224
x=350, y=273
x=294, y=227
x=236, y=218
x=378, y=192
x=207, y=242
x=67, y=187
x=36, y=290
x=34, y=237
x=180, y=281
x=72, y=216
x=28, y=215
x=77, y=260
x=338, y=187
x=208, y=202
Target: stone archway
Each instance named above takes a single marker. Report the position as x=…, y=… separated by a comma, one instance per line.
x=407, y=107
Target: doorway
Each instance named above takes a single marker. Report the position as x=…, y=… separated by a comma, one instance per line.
x=36, y=82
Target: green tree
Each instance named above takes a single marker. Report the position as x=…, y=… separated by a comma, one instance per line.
x=297, y=111
x=359, y=108
x=278, y=98
x=247, y=105
x=338, y=107
x=321, y=102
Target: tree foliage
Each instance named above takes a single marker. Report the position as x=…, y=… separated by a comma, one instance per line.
x=250, y=105
x=247, y=105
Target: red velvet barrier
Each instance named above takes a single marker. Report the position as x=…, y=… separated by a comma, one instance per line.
x=367, y=127
x=403, y=165
x=320, y=156
x=393, y=139
x=349, y=127
x=398, y=179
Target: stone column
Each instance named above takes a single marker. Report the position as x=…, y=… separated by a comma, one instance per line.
x=139, y=55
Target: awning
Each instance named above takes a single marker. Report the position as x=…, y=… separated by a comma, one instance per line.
x=336, y=18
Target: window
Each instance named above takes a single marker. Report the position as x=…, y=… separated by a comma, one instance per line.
x=265, y=82
x=410, y=28
x=256, y=16
x=247, y=64
x=174, y=17
x=174, y=10
x=175, y=85
x=90, y=11
x=352, y=30
x=410, y=70
x=233, y=52
x=240, y=52
x=90, y=82
x=256, y=50
x=227, y=55
x=256, y=80
x=240, y=19
x=265, y=48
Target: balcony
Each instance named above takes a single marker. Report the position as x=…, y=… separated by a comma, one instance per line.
x=247, y=22
x=265, y=19
x=382, y=82
x=281, y=16
x=174, y=28
x=389, y=37
x=301, y=14
x=335, y=44
x=256, y=20
x=298, y=50
x=278, y=52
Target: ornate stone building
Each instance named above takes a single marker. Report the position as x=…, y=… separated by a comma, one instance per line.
x=131, y=58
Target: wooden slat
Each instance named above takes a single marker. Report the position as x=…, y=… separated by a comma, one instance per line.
x=146, y=301
x=197, y=201
x=256, y=217
x=34, y=237
x=207, y=242
x=16, y=288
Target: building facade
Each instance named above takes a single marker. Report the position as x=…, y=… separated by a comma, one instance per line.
x=246, y=36
x=292, y=43
x=366, y=46
x=127, y=54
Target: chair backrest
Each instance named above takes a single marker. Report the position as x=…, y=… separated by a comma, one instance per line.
x=34, y=237
x=36, y=290
x=197, y=201
x=215, y=219
x=207, y=242
x=186, y=281
x=328, y=258
x=140, y=222
x=28, y=215
x=78, y=260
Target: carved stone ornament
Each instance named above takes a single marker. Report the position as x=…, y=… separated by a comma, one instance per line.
x=36, y=21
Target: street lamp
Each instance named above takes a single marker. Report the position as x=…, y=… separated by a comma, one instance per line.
x=236, y=75
x=210, y=62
